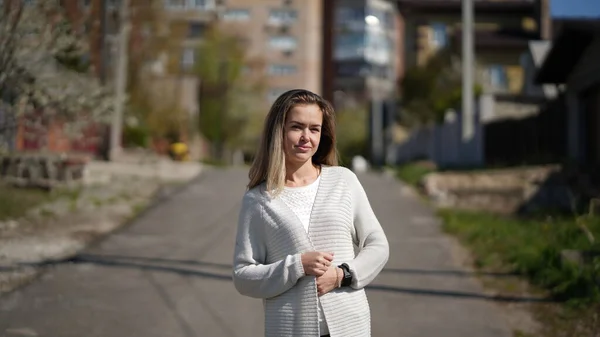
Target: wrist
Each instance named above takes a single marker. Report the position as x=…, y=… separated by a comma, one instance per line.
x=347, y=275
x=339, y=276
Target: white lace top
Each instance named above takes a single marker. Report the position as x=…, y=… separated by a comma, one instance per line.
x=301, y=200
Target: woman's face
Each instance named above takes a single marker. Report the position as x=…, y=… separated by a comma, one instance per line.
x=302, y=133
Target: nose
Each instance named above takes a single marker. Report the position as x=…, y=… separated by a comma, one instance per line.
x=304, y=135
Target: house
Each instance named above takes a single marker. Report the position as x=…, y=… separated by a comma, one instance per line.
x=572, y=63
x=502, y=31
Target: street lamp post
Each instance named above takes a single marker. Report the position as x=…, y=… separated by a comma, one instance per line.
x=376, y=109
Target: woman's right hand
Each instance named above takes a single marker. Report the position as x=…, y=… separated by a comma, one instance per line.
x=316, y=263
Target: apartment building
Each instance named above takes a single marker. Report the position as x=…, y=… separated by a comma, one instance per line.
x=503, y=29
x=365, y=51
x=285, y=35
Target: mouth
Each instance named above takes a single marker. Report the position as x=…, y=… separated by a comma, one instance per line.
x=303, y=148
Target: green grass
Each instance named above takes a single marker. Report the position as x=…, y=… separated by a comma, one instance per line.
x=413, y=173
x=531, y=248
x=214, y=162
x=14, y=202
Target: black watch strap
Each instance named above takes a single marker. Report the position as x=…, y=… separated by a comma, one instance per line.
x=347, y=278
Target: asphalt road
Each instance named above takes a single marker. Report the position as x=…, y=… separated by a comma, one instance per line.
x=168, y=274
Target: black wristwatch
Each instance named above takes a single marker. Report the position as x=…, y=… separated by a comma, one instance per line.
x=347, y=279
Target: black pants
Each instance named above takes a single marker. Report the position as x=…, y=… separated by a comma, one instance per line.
x=325, y=335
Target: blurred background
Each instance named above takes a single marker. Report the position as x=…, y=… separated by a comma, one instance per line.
x=148, y=112
x=204, y=73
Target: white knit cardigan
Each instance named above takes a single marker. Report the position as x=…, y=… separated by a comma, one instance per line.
x=270, y=240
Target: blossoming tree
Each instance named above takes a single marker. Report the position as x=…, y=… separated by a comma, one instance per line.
x=39, y=76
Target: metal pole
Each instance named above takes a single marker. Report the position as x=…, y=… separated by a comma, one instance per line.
x=376, y=131
x=467, y=70
x=121, y=81
x=103, y=47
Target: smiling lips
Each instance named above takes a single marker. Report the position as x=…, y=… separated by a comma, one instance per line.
x=303, y=148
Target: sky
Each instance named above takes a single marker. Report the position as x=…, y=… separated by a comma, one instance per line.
x=575, y=8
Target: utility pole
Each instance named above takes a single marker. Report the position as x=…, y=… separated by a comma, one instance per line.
x=120, y=80
x=377, y=143
x=103, y=46
x=467, y=71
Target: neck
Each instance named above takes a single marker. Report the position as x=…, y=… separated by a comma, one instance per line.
x=300, y=173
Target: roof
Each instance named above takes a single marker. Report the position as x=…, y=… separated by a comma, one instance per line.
x=567, y=48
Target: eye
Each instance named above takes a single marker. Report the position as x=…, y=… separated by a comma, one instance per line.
x=296, y=127
x=316, y=130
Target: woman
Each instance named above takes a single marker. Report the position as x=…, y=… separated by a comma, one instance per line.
x=307, y=241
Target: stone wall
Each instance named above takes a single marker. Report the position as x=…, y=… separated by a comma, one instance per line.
x=507, y=191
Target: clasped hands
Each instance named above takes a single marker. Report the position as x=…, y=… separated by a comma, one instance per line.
x=319, y=264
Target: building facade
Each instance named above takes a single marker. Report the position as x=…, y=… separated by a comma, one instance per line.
x=572, y=65
x=502, y=31
x=364, y=51
x=285, y=35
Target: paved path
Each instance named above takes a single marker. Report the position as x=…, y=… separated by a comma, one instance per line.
x=168, y=275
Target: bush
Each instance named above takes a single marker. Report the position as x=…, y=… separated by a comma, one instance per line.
x=532, y=248
x=413, y=173
x=135, y=136
x=351, y=132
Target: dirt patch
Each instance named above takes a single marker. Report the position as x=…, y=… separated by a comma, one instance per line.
x=60, y=229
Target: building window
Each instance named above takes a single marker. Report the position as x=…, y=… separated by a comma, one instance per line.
x=198, y=4
x=236, y=15
x=188, y=4
x=113, y=4
x=282, y=69
x=498, y=77
x=274, y=93
x=389, y=20
x=188, y=58
x=439, y=35
x=175, y=4
x=282, y=16
x=354, y=16
x=283, y=42
x=349, y=46
x=378, y=48
x=195, y=30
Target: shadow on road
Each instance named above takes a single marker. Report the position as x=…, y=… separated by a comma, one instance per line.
x=190, y=268
x=448, y=272
x=460, y=294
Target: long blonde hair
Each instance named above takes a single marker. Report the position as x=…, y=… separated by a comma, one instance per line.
x=269, y=163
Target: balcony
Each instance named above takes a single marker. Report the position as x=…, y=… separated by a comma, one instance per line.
x=502, y=39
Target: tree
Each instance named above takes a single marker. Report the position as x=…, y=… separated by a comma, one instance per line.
x=230, y=101
x=160, y=39
x=37, y=72
x=429, y=91
x=352, y=133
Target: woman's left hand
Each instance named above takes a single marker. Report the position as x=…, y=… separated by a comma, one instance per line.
x=328, y=281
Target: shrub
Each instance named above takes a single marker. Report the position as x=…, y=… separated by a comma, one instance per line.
x=532, y=248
